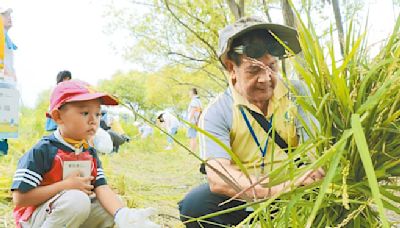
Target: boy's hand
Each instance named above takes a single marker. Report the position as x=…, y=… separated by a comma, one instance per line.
x=75, y=181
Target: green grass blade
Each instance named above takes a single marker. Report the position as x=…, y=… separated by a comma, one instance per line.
x=362, y=146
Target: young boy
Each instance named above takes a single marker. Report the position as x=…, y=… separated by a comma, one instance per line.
x=60, y=182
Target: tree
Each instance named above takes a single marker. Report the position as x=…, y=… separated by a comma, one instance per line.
x=187, y=34
x=339, y=24
x=127, y=87
x=288, y=15
x=237, y=9
x=167, y=88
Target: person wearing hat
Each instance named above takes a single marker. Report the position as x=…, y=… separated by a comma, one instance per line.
x=60, y=182
x=10, y=47
x=255, y=104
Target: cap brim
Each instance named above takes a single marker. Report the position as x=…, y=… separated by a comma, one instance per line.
x=105, y=98
x=287, y=35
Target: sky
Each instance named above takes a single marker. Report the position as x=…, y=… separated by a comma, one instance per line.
x=55, y=35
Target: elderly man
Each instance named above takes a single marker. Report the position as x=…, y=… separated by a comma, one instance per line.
x=255, y=102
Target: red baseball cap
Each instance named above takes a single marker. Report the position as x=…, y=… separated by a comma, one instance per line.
x=75, y=90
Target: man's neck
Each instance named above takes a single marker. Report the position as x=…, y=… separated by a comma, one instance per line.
x=262, y=105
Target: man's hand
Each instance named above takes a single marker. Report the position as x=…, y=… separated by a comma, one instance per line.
x=134, y=217
x=311, y=176
x=75, y=181
x=318, y=174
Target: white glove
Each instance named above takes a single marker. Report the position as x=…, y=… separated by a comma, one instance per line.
x=135, y=218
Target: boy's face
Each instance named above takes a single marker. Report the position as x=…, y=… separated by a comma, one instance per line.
x=78, y=120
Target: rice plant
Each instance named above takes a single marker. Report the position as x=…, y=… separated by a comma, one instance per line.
x=357, y=106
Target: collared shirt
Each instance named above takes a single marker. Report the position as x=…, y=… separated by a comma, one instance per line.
x=222, y=118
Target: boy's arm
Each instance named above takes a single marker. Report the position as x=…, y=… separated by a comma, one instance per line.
x=41, y=194
x=124, y=216
x=108, y=199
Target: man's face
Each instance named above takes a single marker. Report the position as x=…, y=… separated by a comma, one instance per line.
x=79, y=120
x=7, y=20
x=255, y=79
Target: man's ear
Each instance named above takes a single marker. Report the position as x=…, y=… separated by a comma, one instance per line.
x=56, y=116
x=231, y=68
x=229, y=64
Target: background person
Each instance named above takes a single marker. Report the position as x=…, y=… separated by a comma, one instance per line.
x=10, y=47
x=112, y=126
x=171, y=124
x=194, y=111
x=8, y=62
x=63, y=76
x=3, y=147
x=144, y=129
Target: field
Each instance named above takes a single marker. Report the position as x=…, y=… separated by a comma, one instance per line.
x=142, y=173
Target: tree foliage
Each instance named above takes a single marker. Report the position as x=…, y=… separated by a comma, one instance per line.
x=166, y=88
x=128, y=87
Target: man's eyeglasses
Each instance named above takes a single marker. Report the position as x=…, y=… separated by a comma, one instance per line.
x=259, y=48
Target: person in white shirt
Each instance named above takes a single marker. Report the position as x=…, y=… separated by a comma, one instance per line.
x=193, y=115
x=145, y=130
x=171, y=124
